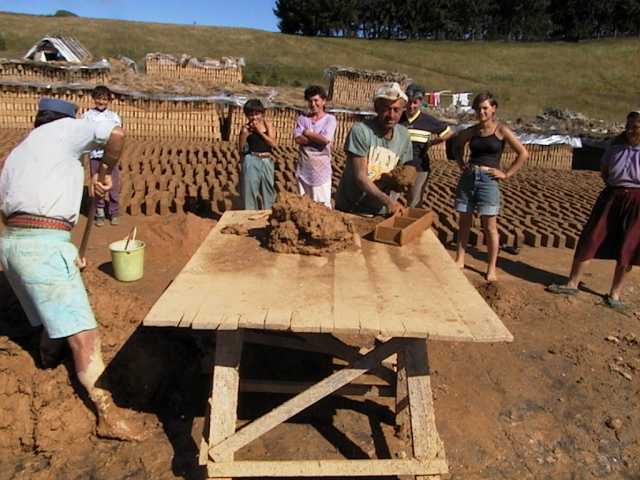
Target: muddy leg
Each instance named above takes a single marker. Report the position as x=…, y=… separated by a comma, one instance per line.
x=113, y=422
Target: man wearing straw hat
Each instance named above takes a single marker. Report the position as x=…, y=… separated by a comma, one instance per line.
x=41, y=186
x=375, y=147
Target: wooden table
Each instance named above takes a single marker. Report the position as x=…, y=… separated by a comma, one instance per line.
x=242, y=291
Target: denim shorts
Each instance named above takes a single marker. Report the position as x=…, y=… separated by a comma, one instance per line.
x=40, y=267
x=478, y=192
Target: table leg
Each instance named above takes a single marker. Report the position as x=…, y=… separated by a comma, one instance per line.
x=425, y=438
x=403, y=427
x=224, y=391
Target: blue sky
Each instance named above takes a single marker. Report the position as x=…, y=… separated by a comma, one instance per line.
x=230, y=13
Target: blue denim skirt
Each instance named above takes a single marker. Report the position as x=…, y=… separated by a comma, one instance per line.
x=478, y=192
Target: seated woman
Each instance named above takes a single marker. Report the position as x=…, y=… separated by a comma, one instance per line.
x=613, y=229
x=478, y=187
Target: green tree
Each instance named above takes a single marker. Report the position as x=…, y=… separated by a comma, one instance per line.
x=64, y=13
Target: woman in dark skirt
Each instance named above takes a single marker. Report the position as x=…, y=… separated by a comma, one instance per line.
x=613, y=229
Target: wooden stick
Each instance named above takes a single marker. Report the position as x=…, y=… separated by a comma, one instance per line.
x=82, y=251
x=327, y=468
x=224, y=390
x=290, y=388
x=130, y=237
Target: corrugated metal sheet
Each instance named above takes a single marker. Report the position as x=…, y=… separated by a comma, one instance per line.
x=69, y=47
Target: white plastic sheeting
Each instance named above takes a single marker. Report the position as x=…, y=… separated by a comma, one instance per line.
x=68, y=47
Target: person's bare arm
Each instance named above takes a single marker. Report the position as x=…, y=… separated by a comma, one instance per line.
x=360, y=168
x=517, y=147
x=301, y=140
x=315, y=137
x=113, y=149
x=242, y=138
x=101, y=180
x=269, y=135
x=446, y=135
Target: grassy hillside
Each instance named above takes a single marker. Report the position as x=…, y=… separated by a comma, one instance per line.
x=600, y=78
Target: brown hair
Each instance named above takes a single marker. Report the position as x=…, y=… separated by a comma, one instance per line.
x=483, y=97
x=101, y=91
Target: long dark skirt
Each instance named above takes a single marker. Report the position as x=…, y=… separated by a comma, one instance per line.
x=613, y=229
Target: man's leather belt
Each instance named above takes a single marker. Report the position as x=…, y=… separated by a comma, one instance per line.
x=25, y=220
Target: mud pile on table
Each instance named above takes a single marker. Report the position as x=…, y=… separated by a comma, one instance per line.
x=300, y=225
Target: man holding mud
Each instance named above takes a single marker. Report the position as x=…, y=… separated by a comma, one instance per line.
x=41, y=186
x=375, y=147
x=424, y=131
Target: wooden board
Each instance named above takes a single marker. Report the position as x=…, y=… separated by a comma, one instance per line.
x=412, y=291
x=224, y=392
x=326, y=468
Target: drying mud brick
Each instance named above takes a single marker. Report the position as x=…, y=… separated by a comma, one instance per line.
x=300, y=225
x=236, y=229
x=540, y=207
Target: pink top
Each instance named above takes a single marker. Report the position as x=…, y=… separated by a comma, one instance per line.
x=314, y=165
x=623, y=163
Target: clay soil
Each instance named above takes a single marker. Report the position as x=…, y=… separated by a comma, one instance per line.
x=300, y=225
x=399, y=180
x=561, y=402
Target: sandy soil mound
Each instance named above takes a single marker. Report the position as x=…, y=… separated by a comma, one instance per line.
x=300, y=225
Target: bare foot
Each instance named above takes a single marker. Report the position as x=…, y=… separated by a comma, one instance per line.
x=491, y=277
x=460, y=264
x=118, y=423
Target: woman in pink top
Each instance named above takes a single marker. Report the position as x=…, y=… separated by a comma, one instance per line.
x=613, y=229
x=314, y=133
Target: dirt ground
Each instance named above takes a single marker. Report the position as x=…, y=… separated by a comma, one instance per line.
x=561, y=402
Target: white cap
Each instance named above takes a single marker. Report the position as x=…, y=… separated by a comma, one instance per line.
x=390, y=91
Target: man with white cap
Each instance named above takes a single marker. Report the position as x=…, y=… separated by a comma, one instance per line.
x=374, y=147
x=41, y=186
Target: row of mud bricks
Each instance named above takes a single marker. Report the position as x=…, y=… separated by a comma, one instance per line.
x=176, y=177
x=540, y=207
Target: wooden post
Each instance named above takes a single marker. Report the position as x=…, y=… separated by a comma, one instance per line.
x=403, y=427
x=224, y=391
x=426, y=441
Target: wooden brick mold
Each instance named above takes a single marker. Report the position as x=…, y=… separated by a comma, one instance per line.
x=404, y=228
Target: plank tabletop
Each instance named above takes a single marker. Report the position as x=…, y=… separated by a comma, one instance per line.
x=415, y=290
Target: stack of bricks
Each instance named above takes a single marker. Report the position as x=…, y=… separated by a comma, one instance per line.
x=284, y=121
x=28, y=71
x=540, y=207
x=144, y=117
x=356, y=88
x=555, y=157
x=212, y=73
